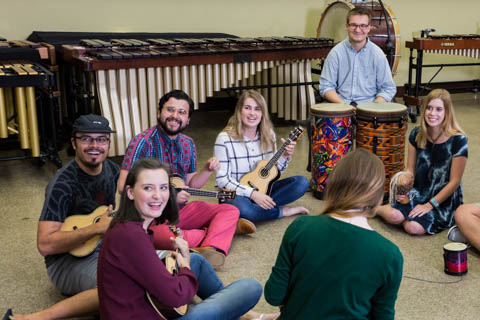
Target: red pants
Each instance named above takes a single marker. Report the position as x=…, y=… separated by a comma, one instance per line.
x=202, y=224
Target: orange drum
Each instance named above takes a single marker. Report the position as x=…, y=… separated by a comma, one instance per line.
x=334, y=18
x=332, y=138
x=381, y=129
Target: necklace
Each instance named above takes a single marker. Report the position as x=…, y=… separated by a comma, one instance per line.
x=432, y=162
x=359, y=221
x=434, y=141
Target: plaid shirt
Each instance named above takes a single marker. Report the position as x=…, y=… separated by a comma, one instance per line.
x=179, y=153
x=238, y=158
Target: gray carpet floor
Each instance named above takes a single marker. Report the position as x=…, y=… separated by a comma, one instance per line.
x=426, y=291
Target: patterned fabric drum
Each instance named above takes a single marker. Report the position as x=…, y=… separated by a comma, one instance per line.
x=332, y=138
x=381, y=129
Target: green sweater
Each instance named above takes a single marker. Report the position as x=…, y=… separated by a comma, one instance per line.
x=329, y=269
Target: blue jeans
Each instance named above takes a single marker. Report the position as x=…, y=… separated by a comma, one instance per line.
x=284, y=191
x=220, y=302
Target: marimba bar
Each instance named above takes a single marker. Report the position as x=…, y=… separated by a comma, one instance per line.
x=131, y=75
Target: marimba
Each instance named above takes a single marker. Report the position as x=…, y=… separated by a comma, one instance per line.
x=128, y=76
x=21, y=72
x=463, y=45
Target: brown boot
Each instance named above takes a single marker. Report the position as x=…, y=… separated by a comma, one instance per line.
x=216, y=258
x=245, y=226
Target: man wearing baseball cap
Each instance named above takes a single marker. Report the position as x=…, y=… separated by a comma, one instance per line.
x=84, y=184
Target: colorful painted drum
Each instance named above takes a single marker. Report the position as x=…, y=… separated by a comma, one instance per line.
x=455, y=258
x=381, y=129
x=332, y=138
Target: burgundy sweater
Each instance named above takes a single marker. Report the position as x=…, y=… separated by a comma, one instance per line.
x=127, y=266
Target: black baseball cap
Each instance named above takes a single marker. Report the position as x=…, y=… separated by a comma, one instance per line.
x=92, y=123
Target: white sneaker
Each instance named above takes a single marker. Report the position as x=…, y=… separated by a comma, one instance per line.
x=455, y=235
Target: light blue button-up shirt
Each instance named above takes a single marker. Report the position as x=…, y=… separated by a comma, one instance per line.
x=357, y=76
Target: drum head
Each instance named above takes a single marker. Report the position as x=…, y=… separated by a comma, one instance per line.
x=332, y=110
x=333, y=21
x=381, y=109
x=455, y=246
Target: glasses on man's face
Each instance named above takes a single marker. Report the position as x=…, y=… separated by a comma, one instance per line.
x=102, y=140
x=354, y=26
x=180, y=111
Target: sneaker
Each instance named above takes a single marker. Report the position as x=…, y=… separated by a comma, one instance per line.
x=455, y=235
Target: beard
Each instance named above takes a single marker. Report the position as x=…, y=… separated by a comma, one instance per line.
x=95, y=162
x=163, y=125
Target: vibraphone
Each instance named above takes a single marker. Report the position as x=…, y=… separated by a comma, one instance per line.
x=463, y=45
x=130, y=75
x=20, y=74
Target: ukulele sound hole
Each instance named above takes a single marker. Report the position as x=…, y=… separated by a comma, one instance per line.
x=263, y=173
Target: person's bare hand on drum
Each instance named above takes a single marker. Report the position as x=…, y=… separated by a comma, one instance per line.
x=420, y=210
x=264, y=201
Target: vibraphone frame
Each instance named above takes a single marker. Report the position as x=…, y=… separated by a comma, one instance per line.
x=46, y=106
x=414, y=90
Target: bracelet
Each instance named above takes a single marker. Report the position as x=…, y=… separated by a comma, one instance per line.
x=434, y=203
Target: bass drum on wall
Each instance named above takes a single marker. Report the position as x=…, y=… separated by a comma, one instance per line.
x=333, y=20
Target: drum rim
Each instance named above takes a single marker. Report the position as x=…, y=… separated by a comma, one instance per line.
x=332, y=113
x=455, y=246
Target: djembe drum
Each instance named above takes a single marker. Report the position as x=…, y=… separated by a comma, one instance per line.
x=332, y=138
x=381, y=129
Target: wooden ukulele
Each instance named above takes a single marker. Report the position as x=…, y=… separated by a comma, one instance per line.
x=166, y=312
x=266, y=173
x=222, y=195
x=76, y=222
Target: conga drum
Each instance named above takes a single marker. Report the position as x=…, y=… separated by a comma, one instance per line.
x=332, y=138
x=384, y=28
x=381, y=129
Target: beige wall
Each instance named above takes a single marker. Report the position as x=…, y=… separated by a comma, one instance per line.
x=18, y=18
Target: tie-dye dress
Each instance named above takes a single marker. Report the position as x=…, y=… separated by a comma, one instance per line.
x=432, y=174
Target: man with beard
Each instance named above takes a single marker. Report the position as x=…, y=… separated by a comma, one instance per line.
x=84, y=184
x=207, y=227
x=356, y=70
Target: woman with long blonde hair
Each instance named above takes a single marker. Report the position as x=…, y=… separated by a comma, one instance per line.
x=247, y=139
x=437, y=156
x=335, y=265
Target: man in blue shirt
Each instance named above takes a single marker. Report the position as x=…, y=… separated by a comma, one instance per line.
x=356, y=70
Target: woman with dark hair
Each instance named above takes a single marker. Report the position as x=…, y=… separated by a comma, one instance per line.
x=437, y=156
x=129, y=265
x=335, y=265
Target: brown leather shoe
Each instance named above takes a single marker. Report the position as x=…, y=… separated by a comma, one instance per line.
x=216, y=258
x=245, y=226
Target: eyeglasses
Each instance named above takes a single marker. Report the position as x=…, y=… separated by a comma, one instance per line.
x=88, y=140
x=181, y=112
x=353, y=26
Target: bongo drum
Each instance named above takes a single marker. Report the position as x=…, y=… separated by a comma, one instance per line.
x=334, y=18
x=455, y=258
x=381, y=129
x=332, y=138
